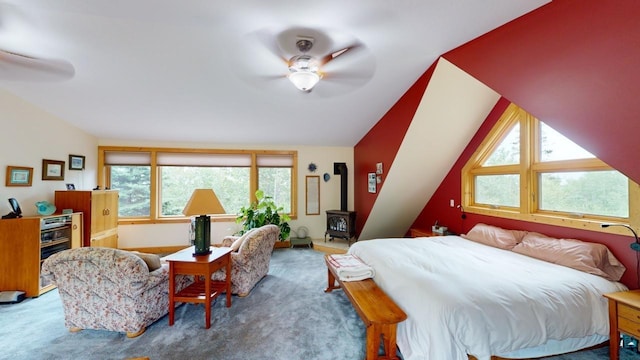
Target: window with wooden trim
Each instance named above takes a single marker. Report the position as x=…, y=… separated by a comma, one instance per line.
x=156, y=183
x=526, y=170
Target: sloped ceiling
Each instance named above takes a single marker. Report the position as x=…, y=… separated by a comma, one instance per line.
x=212, y=71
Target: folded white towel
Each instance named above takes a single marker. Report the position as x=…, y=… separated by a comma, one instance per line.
x=349, y=267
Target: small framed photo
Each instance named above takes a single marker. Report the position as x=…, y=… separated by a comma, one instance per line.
x=372, y=183
x=52, y=169
x=71, y=187
x=76, y=162
x=19, y=176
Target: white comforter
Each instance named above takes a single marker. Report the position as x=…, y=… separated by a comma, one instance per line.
x=463, y=298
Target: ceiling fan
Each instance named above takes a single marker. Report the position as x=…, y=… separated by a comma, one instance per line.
x=21, y=67
x=309, y=56
x=18, y=66
x=304, y=69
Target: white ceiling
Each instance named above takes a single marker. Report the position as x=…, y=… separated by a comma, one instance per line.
x=201, y=71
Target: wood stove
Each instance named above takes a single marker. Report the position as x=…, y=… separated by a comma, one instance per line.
x=341, y=223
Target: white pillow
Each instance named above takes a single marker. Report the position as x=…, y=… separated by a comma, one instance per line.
x=236, y=244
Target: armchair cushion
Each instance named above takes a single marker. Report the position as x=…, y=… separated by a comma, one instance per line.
x=251, y=262
x=235, y=246
x=152, y=260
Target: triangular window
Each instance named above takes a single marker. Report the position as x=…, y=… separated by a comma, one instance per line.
x=525, y=169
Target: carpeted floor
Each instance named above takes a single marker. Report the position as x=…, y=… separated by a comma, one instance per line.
x=287, y=316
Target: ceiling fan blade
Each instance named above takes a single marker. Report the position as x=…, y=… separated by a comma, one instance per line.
x=267, y=39
x=20, y=67
x=351, y=49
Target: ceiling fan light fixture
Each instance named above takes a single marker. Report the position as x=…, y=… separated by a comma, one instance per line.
x=303, y=72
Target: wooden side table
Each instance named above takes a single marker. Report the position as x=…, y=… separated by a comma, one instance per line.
x=413, y=232
x=624, y=316
x=203, y=290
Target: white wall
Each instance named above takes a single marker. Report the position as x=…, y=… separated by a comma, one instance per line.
x=29, y=134
x=157, y=235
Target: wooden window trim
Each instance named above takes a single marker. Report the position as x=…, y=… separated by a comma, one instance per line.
x=104, y=179
x=529, y=169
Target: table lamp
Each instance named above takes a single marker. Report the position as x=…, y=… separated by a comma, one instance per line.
x=202, y=203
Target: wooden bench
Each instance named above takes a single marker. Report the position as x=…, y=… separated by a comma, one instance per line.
x=378, y=312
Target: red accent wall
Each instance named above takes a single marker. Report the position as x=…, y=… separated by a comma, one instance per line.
x=381, y=144
x=574, y=65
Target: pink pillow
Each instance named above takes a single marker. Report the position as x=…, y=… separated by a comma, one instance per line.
x=592, y=258
x=494, y=236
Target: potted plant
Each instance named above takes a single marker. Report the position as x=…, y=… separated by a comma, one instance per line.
x=262, y=212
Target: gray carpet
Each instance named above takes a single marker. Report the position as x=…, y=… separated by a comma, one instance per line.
x=287, y=316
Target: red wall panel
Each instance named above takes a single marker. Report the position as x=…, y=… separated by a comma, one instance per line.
x=574, y=65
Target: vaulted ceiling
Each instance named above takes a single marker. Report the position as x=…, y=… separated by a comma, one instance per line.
x=214, y=71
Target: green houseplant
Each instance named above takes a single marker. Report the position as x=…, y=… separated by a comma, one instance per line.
x=262, y=212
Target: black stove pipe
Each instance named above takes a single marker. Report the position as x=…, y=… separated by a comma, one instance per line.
x=341, y=169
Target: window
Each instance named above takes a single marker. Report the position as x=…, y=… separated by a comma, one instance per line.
x=526, y=170
x=156, y=183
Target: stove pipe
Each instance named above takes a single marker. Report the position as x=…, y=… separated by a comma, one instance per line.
x=341, y=169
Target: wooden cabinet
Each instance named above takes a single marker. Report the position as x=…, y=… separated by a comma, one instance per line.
x=26, y=242
x=624, y=316
x=100, y=209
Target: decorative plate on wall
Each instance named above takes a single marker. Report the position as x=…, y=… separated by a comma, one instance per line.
x=326, y=177
x=312, y=167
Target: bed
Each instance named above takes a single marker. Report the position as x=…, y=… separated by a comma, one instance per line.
x=464, y=297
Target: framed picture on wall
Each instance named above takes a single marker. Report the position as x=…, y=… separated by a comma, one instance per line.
x=372, y=183
x=312, y=195
x=52, y=169
x=19, y=176
x=76, y=162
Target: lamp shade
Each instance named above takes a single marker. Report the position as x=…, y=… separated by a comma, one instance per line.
x=203, y=202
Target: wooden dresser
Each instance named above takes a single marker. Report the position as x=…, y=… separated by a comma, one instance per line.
x=624, y=316
x=100, y=208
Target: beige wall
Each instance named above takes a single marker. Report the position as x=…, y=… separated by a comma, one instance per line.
x=29, y=134
x=155, y=235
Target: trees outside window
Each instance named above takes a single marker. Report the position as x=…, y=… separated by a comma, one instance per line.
x=155, y=184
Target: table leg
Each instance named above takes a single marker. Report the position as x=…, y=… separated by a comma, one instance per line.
x=614, y=333
x=172, y=288
x=207, y=301
x=228, y=279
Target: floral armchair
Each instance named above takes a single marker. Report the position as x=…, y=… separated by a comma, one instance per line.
x=110, y=289
x=250, y=262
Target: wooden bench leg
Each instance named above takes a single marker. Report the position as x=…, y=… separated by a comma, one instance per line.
x=388, y=334
x=373, y=341
x=331, y=282
x=389, y=341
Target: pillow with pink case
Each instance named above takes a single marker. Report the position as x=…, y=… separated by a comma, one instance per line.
x=494, y=236
x=592, y=258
